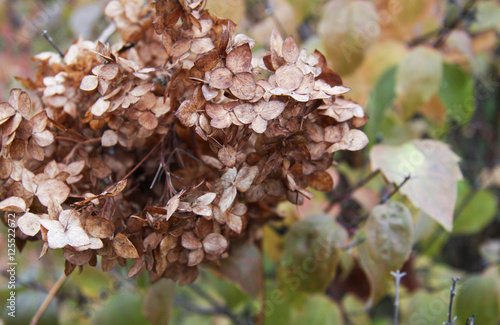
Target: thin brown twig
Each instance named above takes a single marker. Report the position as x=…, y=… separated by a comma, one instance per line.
x=48, y=299
x=348, y=193
x=141, y=162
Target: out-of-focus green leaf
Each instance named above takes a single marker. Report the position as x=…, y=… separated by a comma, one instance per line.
x=478, y=212
x=26, y=305
x=124, y=307
x=318, y=310
x=434, y=173
x=457, y=94
x=355, y=310
x=478, y=295
x=487, y=16
x=389, y=237
x=158, y=301
x=381, y=98
x=344, y=34
x=92, y=281
x=418, y=78
x=424, y=308
x=277, y=311
x=244, y=267
x=311, y=254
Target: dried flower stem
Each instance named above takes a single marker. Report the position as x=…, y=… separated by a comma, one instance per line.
x=452, y=294
x=51, y=42
x=397, y=276
x=395, y=190
x=141, y=162
x=347, y=194
x=48, y=299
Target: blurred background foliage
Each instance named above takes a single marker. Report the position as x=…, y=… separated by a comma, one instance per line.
x=423, y=69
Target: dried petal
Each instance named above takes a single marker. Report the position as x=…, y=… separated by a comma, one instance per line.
x=52, y=191
x=227, y=156
x=245, y=177
x=240, y=59
x=89, y=83
x=123, y=247
x=221, y=78
x=109, y=138
x=289, y=77
x=215, y=244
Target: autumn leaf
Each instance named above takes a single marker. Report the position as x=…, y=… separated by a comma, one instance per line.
x=433, y=170
x=389, y=239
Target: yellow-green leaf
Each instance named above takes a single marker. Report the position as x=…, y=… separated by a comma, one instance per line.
x=434, y=171
x=418, y=78
x=389, y=237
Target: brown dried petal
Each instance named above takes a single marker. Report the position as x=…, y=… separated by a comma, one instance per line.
x=186, y=113
x=208, y=60
x=52, y=191
x=89, y=83
x=109, y=138
x=221, y=78
x=212, y=162
x=13, y=203
x=222, y=122
x=99, y=227
x=195, y=257
x=141, y=89
x=36, y=152
x=173, y=204
x=227, y=156
x=44, y=138
x=245, y=177
x=109, y=71
x=123, y=247
x=259, y=125
x=272, y=109
x=6, y=111
x=215, y=244
x=245, y=113
x=243, y=85
x=289, y=77
x=100, y=107
x=202, y=45
x=189, y=241
x=227, y=198
x=148, y=120
x=77, y=258
x=290, y=50
x=234, y=223
x=240, y=59
x=321, y=181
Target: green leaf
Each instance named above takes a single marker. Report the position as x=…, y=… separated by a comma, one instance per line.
x=26, y=305
x=434, y=173
x=478, y=212
x=244, y=267
x=341, y=29
x=418, y=78
x=457, y=94
x=311, y=254
x=389, y=237
x=124, y=307
x=355, y=310
x=487, y=17
x=381, y=98
x=318, y=310
x=478, y=295
x=158, y=302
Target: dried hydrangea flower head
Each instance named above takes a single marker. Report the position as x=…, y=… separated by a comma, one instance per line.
x=165, y=149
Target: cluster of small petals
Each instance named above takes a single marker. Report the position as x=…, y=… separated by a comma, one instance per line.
x=164, y=147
